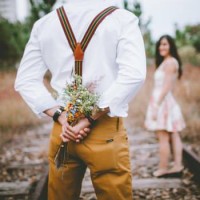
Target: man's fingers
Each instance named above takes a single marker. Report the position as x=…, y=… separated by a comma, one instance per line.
x=70, y=134
x=77, y=141
x=87, y=130
x=67, y=136
x=65, y=131
x=80, y=137
x=70, y=128
x=64, y=139
x=82, y=133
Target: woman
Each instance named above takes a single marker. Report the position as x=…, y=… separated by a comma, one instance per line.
x=163, y=114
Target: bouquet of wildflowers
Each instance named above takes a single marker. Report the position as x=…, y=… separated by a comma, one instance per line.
x=79, y=102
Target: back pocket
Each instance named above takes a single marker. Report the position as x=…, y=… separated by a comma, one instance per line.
x=103, y=155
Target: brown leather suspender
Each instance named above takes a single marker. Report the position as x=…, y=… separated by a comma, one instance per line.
x=79, y=48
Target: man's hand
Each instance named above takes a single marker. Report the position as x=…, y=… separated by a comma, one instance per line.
x=68, y=134
x=76, y=133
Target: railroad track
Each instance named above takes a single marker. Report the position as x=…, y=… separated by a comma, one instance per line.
x=23, y=162
x=24, y=172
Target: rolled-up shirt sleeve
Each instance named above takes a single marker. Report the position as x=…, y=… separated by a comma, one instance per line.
x=29, y=80
x=131, y=61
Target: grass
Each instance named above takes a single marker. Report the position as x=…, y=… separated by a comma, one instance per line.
x=187, y=93
x=15, y=115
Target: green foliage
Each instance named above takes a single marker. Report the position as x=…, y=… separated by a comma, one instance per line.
x=188, y=42
x=190, y=35
x=13, y=38
x=149, y=44
x=39, y=9
x=193, y=35
x=136, y=9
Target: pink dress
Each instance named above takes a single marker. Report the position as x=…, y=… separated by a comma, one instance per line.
x=169, y=116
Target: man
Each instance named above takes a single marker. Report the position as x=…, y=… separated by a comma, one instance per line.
x=114, y=62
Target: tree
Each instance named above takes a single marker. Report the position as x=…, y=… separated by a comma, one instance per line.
x=39, y=9
x=136, y=9
x=14, y=36
x=190, y=35
x=193, y=35
x=188, y=42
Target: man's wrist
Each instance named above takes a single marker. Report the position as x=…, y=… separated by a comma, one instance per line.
x=106, y=110
x=50, y=112
x=57, y=113
x=91, y=120
x=102, y=111
x=62, y=118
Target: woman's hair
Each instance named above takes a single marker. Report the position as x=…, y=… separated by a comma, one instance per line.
x=172, y=50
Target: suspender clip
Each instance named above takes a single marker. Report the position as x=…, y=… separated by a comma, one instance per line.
x=78, y=52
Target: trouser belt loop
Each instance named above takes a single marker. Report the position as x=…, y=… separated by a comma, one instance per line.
x=117, y=124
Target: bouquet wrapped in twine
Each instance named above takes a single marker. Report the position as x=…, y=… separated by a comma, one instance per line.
x=79, y=102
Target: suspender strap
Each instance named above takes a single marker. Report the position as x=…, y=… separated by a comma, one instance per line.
x=94, y=25
x=67, y=27
x=79, y=48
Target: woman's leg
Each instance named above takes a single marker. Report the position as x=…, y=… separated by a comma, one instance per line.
x=177, y=148
x=164, y=152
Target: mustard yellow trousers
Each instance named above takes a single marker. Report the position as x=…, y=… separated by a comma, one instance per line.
x=104, y=151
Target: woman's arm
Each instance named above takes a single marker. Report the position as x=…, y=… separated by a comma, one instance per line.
x=170, y=70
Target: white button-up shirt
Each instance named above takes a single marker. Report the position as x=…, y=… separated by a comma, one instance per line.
x=114, y=59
